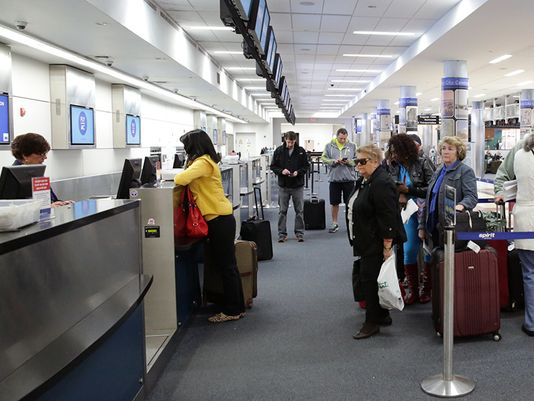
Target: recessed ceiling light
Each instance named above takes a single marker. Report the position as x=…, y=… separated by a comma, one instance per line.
x=331, y=100
x=250, y=79
x=516, y=72
x=525, y=83
x=434, y=99
x=339, y=95
x=357, y=70
x=371, y=6
x=254, y=88
x=305, y=49
x=260, y=94
x=418, y=94
x=103, y=23
x=428, y=109
x=396, y=103
x=383, y=33
x=480, y=95
x=209, y=28
x=369, y=55
x=500, y=58
x=354, y=81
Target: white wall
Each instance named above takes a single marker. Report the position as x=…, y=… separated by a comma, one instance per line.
x=162, y=124
x=320, y=134
x=258, y=135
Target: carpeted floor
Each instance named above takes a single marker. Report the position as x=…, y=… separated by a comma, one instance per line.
x=296, y=342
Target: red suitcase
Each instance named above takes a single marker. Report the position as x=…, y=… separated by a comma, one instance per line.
x=476, y=294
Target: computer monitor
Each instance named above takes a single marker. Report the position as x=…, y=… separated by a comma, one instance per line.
x=133, y=130
x=82, y=125
x=255, y=22
x=4, y=119
x=179, y=160
x=265, y=31
x=16, y=181
x=271, y=51
x=129, y=177
x=278, y=68
x=243, y=7
x=148, y=174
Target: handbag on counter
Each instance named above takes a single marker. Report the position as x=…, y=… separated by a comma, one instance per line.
x=188, y=221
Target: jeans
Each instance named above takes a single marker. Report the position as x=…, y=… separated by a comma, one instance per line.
x=284, y=194
x=527, y=265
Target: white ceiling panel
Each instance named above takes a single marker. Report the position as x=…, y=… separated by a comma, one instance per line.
x=205, y=5
x=187, y=17
x=435, y=9
x=279, y=6
x=335, y=23
x=283, y=37
x=391, y=24
x=404, y=8
x=179, y=5
x=306, y=37
x=327, y=50
x=345, y=7
x=327, y=38
x=280, y=21
x=306, y=22
x=358, y=23
x=370, y=8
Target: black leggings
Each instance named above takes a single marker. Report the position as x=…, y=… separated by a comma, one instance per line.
x=221, y=234
x=369, y=270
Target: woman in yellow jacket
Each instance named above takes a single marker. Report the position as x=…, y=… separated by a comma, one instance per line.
x=203, y=176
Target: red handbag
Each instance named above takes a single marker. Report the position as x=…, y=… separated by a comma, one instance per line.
x=188, y=221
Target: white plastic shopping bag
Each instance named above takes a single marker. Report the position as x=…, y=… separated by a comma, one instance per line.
x=389, y=292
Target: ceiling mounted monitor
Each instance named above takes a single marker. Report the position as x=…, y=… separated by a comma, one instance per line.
x=255, y=22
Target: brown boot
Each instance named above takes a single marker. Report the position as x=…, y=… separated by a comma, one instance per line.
x=425, y=290
x=412, y=279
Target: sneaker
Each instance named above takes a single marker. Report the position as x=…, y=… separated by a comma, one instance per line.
x=222, y=317
x=333, y=228
x=300, y=238
x=282, y=238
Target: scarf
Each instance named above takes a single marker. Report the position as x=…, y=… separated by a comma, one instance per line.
x=432, y=210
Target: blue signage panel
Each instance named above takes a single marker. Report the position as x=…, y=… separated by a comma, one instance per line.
x=82, y=128
x=4, y=119
x=133, y=130
x=407, y=101
x=526, y=104
x=454, y=83
x=383, y=112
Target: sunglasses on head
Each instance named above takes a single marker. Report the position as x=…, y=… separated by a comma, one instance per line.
x=361, y=162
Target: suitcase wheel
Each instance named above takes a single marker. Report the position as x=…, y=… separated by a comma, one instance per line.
x=497, y=337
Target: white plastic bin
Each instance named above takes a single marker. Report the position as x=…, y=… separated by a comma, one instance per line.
x=18, y=213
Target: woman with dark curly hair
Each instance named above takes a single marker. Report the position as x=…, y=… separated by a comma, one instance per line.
x=412, y=174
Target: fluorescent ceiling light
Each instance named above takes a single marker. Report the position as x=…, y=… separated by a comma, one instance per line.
x=260, y=94
x=325, y=114
x=357, y=70
x=434, y=99
x=480, y=95
x=383, y=33
x=80, y=61
x=525, y=83
x=331, y=100
x=353, y=81
x=227, y=52
x=418, y=94
x=339, y=95
x=396, y=103
x=250, y=79
x=209, y=28
x=254, y=88
x=240, y=68
x=332, y=104
x=369, y=55
x=500, y=58
x=345, y=89
x=428, y=109
x=516, y=72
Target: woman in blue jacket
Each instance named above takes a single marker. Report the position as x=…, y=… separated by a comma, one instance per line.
x=453, y=173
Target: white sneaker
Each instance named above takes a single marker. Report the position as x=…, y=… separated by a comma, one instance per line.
x=333, y=228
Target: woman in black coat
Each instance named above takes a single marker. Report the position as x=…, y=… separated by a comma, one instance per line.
x=374, y=227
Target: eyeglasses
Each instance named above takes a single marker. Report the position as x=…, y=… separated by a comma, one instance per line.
x=361, y=162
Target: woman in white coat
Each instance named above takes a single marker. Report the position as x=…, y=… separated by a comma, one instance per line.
x=524, y=221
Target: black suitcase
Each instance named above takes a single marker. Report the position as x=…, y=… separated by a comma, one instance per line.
x=258, y=230
x=314, y=214
x=314, y=211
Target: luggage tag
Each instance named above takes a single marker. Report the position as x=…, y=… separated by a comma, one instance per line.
x=511, y=247
x=473, y=246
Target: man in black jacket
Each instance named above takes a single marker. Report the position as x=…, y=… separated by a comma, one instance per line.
x=290, y=164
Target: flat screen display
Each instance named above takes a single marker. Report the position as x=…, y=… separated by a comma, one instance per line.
x=243, y=7
x=271, y=51
x=82, y=125
x=133, y=130
x=279, y=66
x=258, y=26
x=4, y=119
x=265, y=30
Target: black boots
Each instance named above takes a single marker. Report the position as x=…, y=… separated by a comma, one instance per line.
x=412, y=281
x=425, y=289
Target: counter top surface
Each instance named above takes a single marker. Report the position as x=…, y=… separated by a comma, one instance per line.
x=64, y=218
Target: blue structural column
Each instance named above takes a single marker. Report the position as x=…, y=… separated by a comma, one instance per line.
x=526, y=112
x=383, y=113
x=407, y=110
x=454, y=92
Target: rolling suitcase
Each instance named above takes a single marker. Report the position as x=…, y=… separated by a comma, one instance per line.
x=258, y=229
x=515, y=281
x=247, y=264
x=476, y=293
x=314, y=211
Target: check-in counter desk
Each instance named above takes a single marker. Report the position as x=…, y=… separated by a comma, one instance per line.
x=230, y=181
x=175, y=291
x=71, y=305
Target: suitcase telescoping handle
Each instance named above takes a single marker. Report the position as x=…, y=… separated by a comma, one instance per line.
x=257, y=196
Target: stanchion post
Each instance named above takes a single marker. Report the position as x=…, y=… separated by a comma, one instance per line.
x=447, y=384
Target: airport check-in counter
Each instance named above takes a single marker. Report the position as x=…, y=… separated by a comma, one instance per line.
x=71, y=305
x=246, y=189
x=173, y=264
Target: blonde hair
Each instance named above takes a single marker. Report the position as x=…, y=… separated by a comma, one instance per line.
x=461, y=149
x=372, y=151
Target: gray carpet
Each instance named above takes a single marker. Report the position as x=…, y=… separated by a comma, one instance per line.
x=296, y=342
